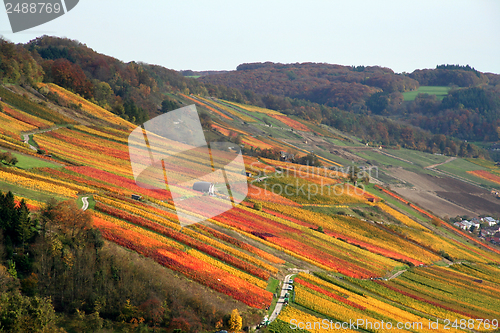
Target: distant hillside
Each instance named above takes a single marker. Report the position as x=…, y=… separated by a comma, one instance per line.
x=473, y=99
x=132, y=90
x=319, y=208
x=357, y=100
x=333, y=85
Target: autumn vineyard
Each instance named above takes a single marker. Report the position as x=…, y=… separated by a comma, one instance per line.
x=356, y=250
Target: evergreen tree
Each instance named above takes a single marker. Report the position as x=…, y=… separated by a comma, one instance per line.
x=7, y=213
x=169, y=105
x=24, y=228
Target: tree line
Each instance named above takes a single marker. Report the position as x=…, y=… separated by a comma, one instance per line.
x=321, y=93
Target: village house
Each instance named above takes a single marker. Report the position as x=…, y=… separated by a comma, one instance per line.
x=491, y=221
x=286, y=156
x=466, y=225
x=461, y=225
x=489, y=231
x=494, y=239
x=474, y=222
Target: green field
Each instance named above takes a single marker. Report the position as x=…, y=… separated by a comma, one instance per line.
x=28, y=162
x=282, y=134
x=396, y=203
x=439, y=91
x=273, y=286
x=332, y=157
x=417, y=161
x=345, y=143
x=32, y=142
x=378, y=159
x=418, y=158
x=268, y=120
x=459, y=167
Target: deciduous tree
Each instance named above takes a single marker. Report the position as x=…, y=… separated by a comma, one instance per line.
x=235, y=322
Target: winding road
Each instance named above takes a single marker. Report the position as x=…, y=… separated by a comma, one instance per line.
x=85, y=202
x=26, y=135
x=26, y=139
x=281, y=299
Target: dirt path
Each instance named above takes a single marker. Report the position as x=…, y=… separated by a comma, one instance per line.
x=281, y=300
x=26, y=139
x=395, y=275
x=85, y=202
x=26, y=135
x=435, y=165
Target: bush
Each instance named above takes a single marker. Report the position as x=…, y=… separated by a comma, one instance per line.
x=445, y=255
x=257, y=206
x=359, y=212
x=8, y=158
x=436, y=222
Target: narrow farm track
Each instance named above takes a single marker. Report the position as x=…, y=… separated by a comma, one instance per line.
x=281, y=300
x=26, y=135
x=438, y=164
x=26, y=139
x=85, y=202
x=395, y=275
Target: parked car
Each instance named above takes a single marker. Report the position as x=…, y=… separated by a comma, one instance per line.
x=289, y=287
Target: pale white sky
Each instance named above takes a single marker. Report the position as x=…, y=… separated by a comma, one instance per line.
x=221, y=34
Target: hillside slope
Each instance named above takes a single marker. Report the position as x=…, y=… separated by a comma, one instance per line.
x=309, y=209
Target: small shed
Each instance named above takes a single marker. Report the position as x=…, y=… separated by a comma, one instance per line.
x=136, y=197
x=205, y=187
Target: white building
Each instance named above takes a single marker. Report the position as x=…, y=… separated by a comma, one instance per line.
x=204, y=187
x=460, y=225
x=491, y=221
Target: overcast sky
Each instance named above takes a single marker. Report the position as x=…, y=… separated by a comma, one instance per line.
x=221, y=34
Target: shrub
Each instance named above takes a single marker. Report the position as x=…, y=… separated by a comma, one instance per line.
x=8, y=158
x=445, y=255
x=257, y=206
x=436, y=221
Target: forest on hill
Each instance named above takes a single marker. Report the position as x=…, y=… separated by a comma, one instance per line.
x=471, y=111
x=363, y=101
